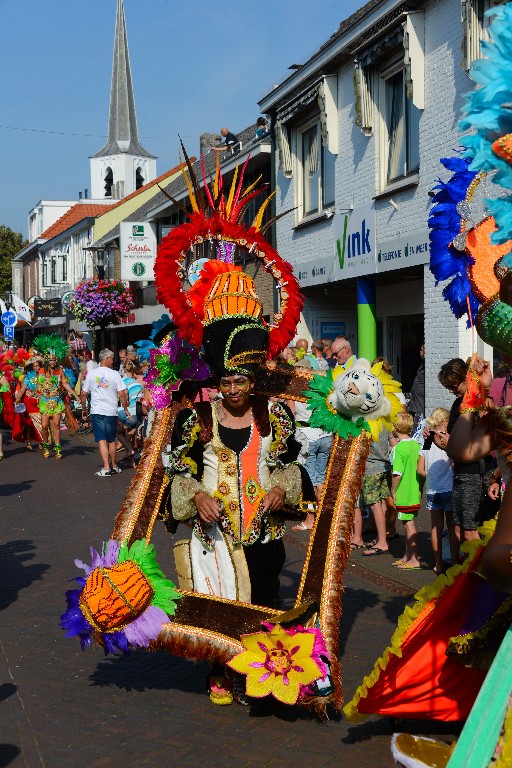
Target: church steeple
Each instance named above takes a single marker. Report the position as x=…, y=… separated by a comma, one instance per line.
x=123, y=165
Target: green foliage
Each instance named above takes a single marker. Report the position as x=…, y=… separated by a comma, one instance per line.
x=10, y=243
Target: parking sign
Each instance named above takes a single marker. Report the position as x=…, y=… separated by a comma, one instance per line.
x=9, y=332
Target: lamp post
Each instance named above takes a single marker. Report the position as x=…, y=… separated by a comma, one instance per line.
x=100, y=258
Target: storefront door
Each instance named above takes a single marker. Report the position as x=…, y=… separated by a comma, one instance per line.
x=404, y=339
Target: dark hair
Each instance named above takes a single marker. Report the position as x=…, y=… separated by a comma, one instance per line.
x=502, y=371
x=453, y=373
x=261, y=121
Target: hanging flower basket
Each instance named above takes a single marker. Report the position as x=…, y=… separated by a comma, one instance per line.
x=101, y=302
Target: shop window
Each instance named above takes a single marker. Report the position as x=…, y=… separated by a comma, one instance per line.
x=475, y=26
x=400, y=122
x=317, y=172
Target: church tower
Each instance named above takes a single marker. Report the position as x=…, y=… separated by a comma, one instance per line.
x=123, y=165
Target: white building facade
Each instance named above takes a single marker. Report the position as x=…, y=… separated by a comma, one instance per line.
x=360, y=131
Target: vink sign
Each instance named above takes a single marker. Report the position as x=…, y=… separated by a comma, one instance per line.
x=354, y=234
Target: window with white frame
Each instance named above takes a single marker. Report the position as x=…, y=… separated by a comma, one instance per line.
x=316, y=185
x=400, y=128
x=475, y=26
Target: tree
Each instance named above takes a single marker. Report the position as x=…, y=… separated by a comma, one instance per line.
x=10, y=243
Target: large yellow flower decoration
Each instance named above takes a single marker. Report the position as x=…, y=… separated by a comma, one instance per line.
x=277, y=663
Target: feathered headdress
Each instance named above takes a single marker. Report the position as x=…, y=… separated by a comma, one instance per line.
x=49, y=345
x=221, y=311
x=476, y=256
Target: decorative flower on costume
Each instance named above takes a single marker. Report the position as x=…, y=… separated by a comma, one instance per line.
x=363, y=397
x=123, y=601
x=175, y=361
x=281, y=661
x=101, y=302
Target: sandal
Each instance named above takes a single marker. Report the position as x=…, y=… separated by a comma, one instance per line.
x=357, y=546
x=220, y=690
x=405, y=567
x=373, y=551
x=301, y=527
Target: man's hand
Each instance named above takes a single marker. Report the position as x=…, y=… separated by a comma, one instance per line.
x=494, y=491
x=208, y=508
x=274, y=499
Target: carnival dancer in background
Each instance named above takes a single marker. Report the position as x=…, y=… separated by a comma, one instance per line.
x=27, y=422
x=51, y=384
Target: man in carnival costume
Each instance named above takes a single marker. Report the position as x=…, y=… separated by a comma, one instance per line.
x=227, y=469
x=230, y=462
x=50, y=389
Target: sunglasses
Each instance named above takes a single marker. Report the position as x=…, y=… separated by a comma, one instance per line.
x=339, y=351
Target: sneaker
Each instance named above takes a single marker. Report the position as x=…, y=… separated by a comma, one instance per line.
x=116, y=470
x=104, y=473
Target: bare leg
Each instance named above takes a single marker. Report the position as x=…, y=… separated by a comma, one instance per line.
x=56, y=428
x=357, y=533
x=45, y=423
x=390, y=517
x=124, y=440
x=437, y=517
x=411, y=544
x=103, y=446
x=112, y=452
x=379, y=515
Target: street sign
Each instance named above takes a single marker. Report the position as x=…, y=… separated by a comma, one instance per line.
x=8, y=332
x=9, y=318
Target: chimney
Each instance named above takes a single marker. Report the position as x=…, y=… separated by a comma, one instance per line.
x=86, y=194
x=79, y=195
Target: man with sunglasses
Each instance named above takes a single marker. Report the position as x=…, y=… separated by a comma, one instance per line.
x=342, y=353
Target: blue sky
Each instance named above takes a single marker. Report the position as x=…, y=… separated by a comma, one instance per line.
x=196, y=66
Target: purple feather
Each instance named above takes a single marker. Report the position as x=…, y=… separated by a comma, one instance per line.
x=146, y=627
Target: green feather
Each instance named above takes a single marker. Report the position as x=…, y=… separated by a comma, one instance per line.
x=170, y=372
x=143, y=554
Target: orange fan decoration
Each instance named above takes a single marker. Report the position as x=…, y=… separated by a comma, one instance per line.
x=218, y=219
x=478, y=243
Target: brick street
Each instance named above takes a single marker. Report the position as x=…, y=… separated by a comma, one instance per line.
x=62, y=708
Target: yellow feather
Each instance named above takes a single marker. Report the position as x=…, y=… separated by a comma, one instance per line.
x=191, y=194
x=259, y=216
x=231, y=193
x=217, y=175
x=250, y=188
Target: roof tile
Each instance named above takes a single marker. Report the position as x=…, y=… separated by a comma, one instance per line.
x=76, y=213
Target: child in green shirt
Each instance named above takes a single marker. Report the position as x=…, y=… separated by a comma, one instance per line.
x=406, y=487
